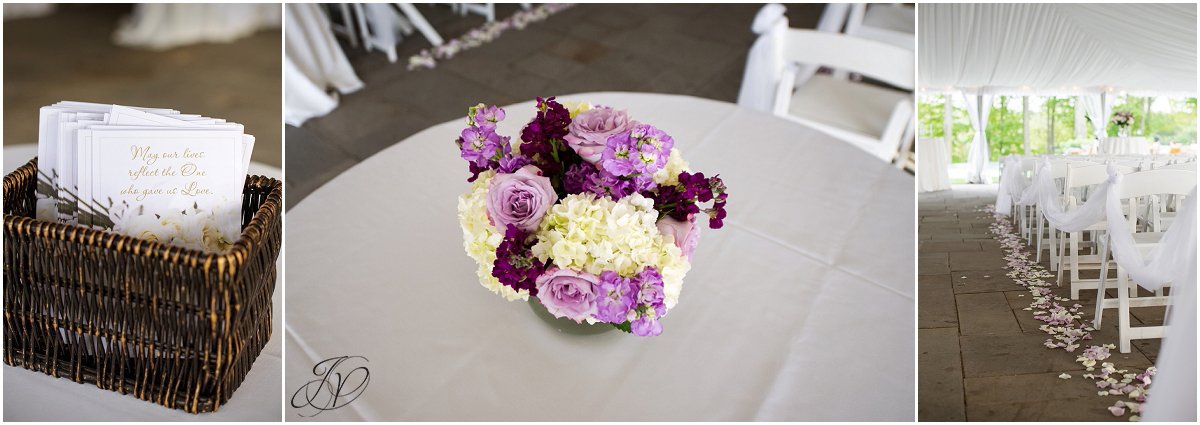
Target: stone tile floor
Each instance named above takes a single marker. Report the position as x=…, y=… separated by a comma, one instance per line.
x=981, y=356
x=70, y=56
x=693, y=49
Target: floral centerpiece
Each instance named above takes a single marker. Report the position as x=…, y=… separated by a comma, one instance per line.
x=1123, y=119
x=593, y=214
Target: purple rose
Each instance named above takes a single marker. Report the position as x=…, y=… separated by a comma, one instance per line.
x=686, y=234
x=568, y=293
x=520, y=199
x=589, y=131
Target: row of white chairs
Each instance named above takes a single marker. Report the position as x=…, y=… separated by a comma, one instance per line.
x=1150, y=191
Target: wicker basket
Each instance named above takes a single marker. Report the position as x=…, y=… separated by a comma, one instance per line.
x=169, y=325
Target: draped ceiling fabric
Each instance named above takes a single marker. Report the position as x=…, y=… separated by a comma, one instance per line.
x=1062, y=48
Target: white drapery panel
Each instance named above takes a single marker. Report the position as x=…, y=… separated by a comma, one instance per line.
x=313, y=63
x=764, y=62
x=1166, y=259
x=1174, y=398
x=1172, y=261
x=1092, y=105
x=1049, y=202
x=1150, y=47
x=977, y=156
x=1012, y=184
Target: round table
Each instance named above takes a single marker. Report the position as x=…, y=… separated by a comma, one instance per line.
x=933, y=164
x=1124, y=146
x=801, y=308
x=33, y=396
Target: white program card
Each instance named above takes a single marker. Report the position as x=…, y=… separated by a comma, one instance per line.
x=178, y=186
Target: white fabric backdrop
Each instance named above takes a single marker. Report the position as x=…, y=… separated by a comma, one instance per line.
x=978, y=154
x=801, y=308
x=1058, y=46
x=163, y=26
x=1099, y=118
x=314, y=62
x=33, y=396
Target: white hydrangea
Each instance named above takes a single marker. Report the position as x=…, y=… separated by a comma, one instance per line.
x=480, y=238
x=668, y=175
x=593, y=234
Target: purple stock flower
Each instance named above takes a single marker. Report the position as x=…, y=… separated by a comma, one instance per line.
x=576, y=178
x=604, y=184
x=483, y=148
x=615, y=296
x=543, y=138
x=479, y=145
x=618, y=157
x=651, y=293
x=646, y=325
x=486, y=116
x=643, y=150
x=680, y=201
x=515, y=265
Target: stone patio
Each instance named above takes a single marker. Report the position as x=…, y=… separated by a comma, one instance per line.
x=981, y=356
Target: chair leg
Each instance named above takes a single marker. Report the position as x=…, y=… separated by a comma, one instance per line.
x=1099, y=317
x=1053, y=253
x=1039, y=240
x=418, y=20
x=1123, y=311
x=1074, y=255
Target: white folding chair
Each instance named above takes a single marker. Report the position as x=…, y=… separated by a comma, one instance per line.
x=873, y=118
x=1046, y=232
x=1079, y=178
x=894, y=24
x=1132, y=187
x=1027, y=212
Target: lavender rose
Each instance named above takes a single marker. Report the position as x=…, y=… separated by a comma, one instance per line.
x=520, y=199
x=589, y=131
x=685, y=233
x=568, y=293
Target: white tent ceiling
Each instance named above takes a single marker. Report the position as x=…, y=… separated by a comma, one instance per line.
x=1067, y=48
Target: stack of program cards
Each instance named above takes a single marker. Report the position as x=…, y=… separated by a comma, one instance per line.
x=149, y=173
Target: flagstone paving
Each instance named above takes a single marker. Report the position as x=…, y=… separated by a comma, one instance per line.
x=981, y=355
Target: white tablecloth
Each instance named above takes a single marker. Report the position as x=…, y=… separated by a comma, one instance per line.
x=1125, y=146
x=32, y=396
x=933, y=164
x=800, y=308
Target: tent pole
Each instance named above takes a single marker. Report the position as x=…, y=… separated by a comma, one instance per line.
x=1025, y=121
x=1103, y=117
x=948, y=120
x=1080, y=130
